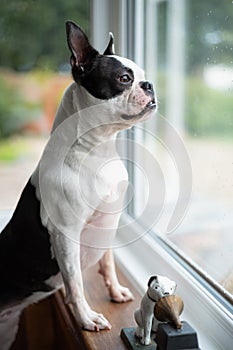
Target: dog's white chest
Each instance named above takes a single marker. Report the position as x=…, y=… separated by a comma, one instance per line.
x=111, y=180
x=109, y=186
x=99, y=231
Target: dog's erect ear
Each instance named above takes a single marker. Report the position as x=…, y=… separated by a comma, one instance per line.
x=151, y=279
x=110, y=48
x=78, y=43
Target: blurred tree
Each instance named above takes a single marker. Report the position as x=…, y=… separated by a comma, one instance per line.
x=32, y=33
x=209, y=33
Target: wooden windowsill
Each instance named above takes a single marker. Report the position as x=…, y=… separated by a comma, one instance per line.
x=119, y=315
x=50, y=324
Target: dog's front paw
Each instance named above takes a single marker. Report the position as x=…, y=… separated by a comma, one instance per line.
x=95, y=322
x=89, y=319
x=120, y=294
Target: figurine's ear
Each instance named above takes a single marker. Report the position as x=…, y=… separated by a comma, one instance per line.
x=110, y=48
x=151, y=279
x=81, y=50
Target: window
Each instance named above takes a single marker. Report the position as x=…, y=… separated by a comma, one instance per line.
x=180, y=161
x=191, y=136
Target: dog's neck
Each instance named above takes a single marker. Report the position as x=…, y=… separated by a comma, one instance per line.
x=92, y=119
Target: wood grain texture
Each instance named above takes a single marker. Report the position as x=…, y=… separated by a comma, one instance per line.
x=119, y=315
x=47, y=326
x=50, y=324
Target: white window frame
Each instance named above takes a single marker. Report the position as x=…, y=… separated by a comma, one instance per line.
x=207, y=311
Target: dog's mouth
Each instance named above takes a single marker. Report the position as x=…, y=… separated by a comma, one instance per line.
x=151, y=105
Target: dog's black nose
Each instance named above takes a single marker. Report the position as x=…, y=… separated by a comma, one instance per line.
x=147, y=86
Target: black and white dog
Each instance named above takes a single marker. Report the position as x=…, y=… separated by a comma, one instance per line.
x=69, y=210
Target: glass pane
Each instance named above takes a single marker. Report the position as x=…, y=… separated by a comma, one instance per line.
x=191, y=137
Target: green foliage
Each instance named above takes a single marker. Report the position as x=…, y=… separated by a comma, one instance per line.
x=11, y=149
x=32, y=33
x=208, y=111
x=209, y=33
x=14, y=111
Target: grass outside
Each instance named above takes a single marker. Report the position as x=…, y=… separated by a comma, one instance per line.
x=12, y=149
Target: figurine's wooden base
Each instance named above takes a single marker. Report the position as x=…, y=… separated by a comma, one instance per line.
x=132, y=343
x=167, y=338
x=170, y=338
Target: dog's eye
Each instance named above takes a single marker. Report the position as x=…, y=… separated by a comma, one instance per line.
x=125, y=78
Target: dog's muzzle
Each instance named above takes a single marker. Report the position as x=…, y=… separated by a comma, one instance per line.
x=148, y=90
x=147, y=87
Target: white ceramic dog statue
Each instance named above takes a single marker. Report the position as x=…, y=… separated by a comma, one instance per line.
x=158, y=287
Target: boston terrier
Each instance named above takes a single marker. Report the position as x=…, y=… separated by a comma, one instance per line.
x=69, y=210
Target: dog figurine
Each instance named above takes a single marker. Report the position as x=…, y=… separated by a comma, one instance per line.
x=56, y=232
x=158, y=287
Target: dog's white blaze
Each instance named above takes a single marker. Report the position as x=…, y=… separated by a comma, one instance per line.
x=139, y=74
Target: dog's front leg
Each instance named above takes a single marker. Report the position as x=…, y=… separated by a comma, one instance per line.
x=67, y=254
x=117, y=292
